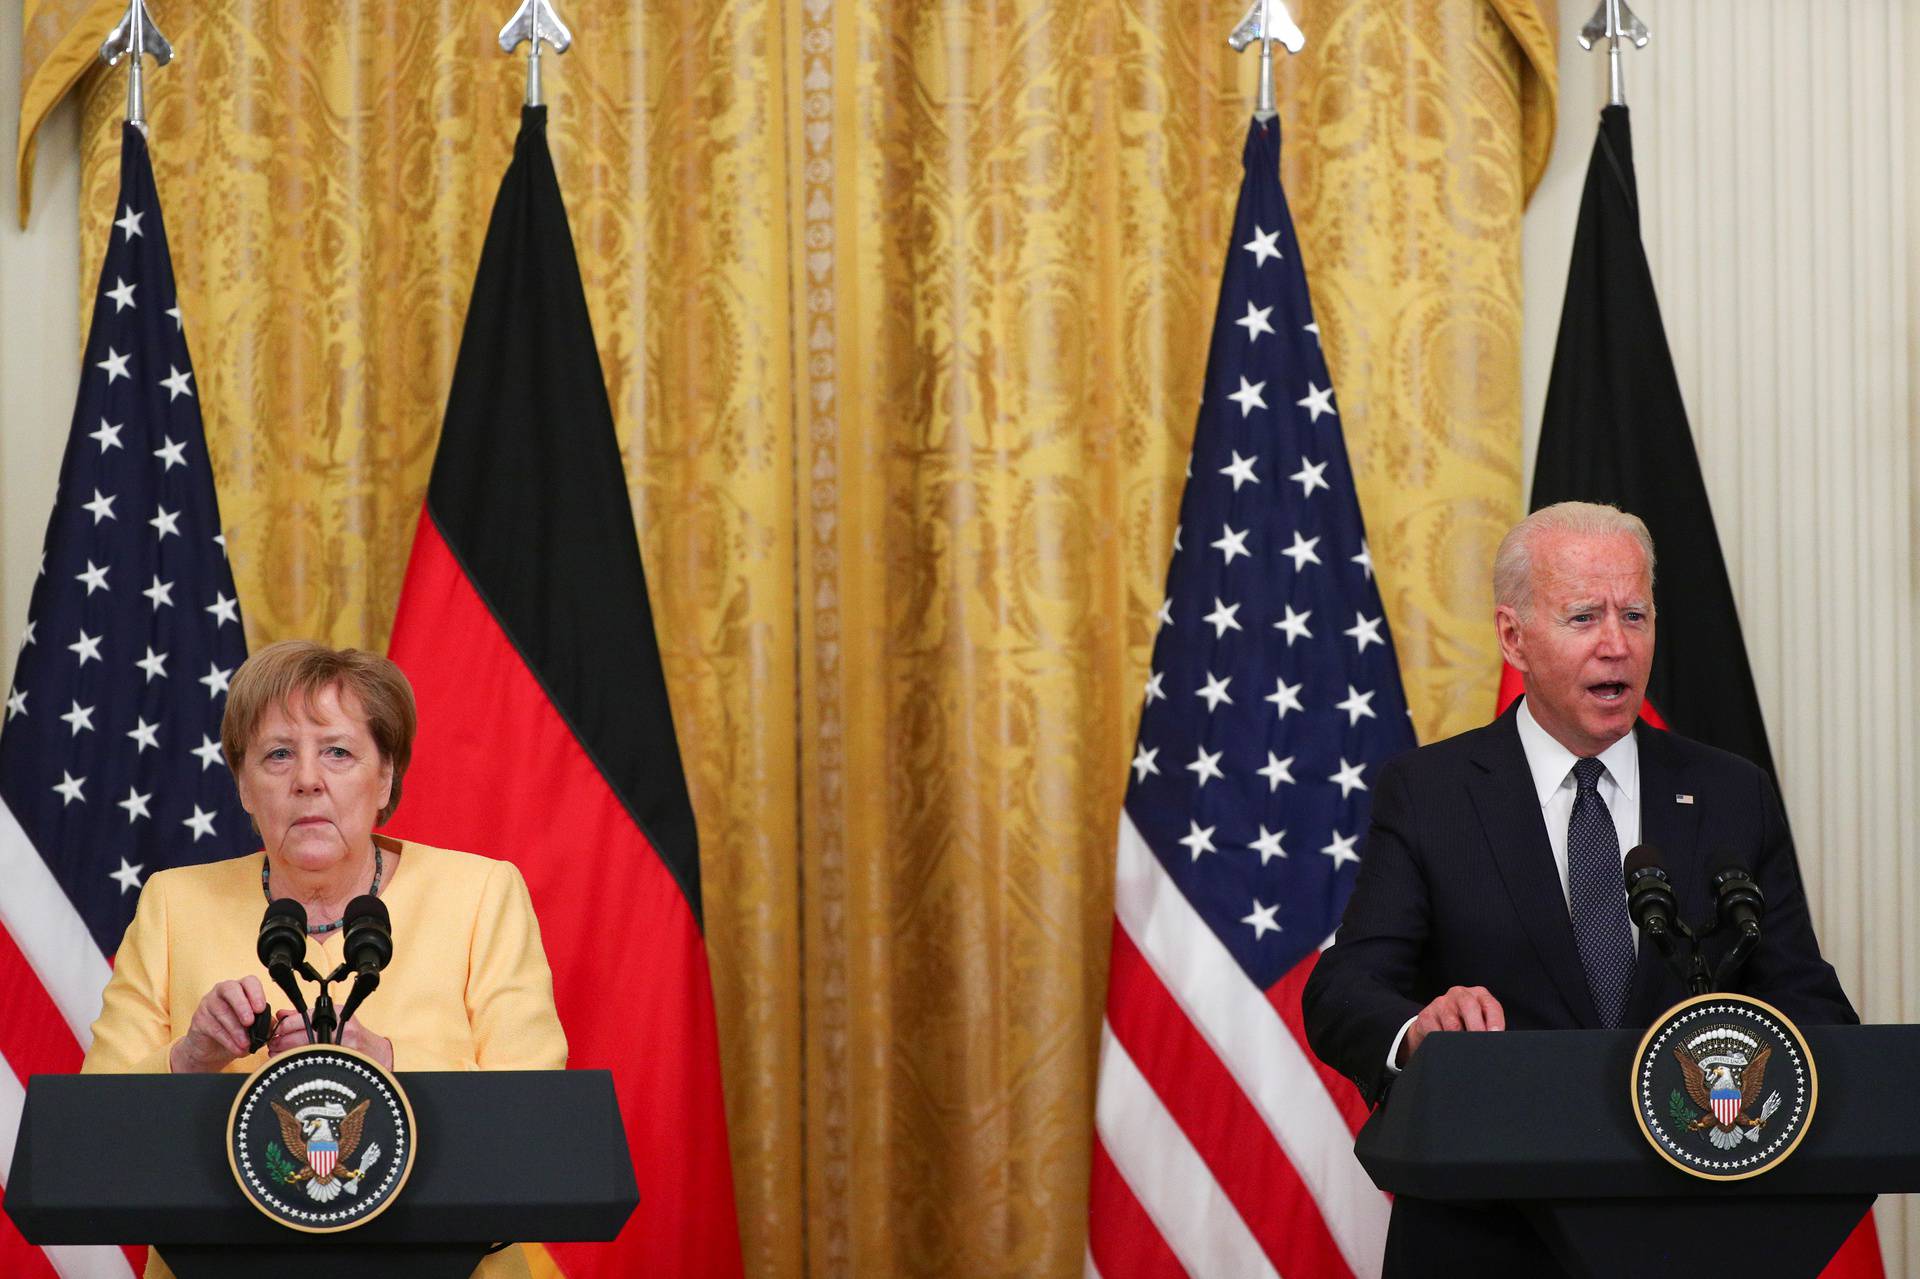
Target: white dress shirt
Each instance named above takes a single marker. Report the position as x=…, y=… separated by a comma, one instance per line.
x=1552, y=767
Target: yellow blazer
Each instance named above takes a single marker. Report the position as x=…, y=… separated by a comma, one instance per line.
x=468, y=988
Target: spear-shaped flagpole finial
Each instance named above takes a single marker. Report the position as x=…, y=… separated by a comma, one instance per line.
x=136, y=35
x=531, y=23
x=1268, y=21
x=1611, y=21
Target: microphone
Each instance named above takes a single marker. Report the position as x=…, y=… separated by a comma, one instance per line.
x=283, y=950
x=283, y=936
x=1655, y=911
x=369, y=943
x=368, y=948
x=1738, y=901
x=1650, y=899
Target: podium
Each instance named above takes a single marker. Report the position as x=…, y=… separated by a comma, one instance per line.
x=502, y=1155
x=1543, y=1120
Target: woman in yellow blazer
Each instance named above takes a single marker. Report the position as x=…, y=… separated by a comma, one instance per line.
x=318, y=740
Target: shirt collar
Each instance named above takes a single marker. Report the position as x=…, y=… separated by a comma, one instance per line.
x=1551, y=763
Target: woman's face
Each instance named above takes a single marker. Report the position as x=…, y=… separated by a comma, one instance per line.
x=314, y=781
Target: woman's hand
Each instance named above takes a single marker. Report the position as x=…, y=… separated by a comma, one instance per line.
x=217, y=1035
x=290, y=1031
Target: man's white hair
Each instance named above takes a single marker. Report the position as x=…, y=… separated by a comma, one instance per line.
x=1513, y=562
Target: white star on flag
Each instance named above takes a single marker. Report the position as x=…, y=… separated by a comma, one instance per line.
x=129, y=222
x=1143, y=762
x=1206, y=766
x=1232, y=543
x=1255, y=321
x=1348, y=778
x=1341, y=849
x=136, y=805
x=153, y=664
x=1318, y=400
x=128, y=876
x=87, y=646
x=1268, y=844
x=172, y=454
x=79, y=718
x=200, y=823
x=176, y=384
x=208, y=752
x=108, y=435
x=1365, y=631
x=1264, y=245
x=1310, y=476
x=1222, y=618
x=101, y=506
x=166, y=522
x=122, y=295
x=1302, y=552
x=115, y=364
x=144, y=734
x=1356, y=705
x=1262, y=919
x=1215, y=691
x=223, y=609
x=68, y=788
x=1285, y=696
x=1199, y=841
x=1277, y=770
x=1295, y=625
x=1241, y=472
x=1248, y=396
x=216, y=680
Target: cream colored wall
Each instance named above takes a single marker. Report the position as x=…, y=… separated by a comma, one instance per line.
x=1774, y=145
x=40, y=341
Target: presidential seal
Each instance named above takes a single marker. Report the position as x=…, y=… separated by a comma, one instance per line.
x=321, y=1139
x=1724, y=1086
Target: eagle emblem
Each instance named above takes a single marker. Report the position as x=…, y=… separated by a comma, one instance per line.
x=322, y=1136
x=1724, y=1070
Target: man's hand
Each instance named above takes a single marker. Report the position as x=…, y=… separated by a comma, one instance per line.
x=218, y=1032
x=1462, y=1008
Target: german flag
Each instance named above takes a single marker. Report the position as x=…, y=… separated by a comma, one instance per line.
x=546, y=737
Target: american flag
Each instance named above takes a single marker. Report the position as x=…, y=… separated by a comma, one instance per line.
x=1221, y=1146
x=110, y=763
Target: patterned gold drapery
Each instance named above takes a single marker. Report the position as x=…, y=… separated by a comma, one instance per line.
x=903, y=310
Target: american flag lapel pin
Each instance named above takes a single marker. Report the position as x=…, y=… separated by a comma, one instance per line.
x=1683, y=799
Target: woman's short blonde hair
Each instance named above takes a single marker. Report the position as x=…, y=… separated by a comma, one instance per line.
x=278, y=673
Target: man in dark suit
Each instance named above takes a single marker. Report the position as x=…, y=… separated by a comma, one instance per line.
x=1490, y=893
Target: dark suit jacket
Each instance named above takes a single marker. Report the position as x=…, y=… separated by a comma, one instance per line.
x=1457, y=887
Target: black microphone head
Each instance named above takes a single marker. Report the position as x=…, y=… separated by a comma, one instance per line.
x=1643, y=857
x=283, y=934
x=1733, y=886
x=1650, y=899
x=369, y=940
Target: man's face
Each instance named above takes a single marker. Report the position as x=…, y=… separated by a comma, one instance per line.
x=1586, y=645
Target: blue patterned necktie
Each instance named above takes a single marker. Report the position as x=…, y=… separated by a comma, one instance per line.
x=1597, y=897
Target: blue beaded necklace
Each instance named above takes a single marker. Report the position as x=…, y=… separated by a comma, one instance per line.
x=265, y=866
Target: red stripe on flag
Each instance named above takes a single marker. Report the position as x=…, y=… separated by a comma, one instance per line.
x=1510, y=688
x=1223, y=1125
x=497, y=771
x=1859, y=1256
x=1284, y=995
x=1124, y=1243
x=34, y=1037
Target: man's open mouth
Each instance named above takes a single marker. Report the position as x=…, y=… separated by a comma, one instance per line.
x=1611, y=691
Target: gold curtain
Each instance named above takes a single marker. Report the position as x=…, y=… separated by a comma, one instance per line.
x=903, y=309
